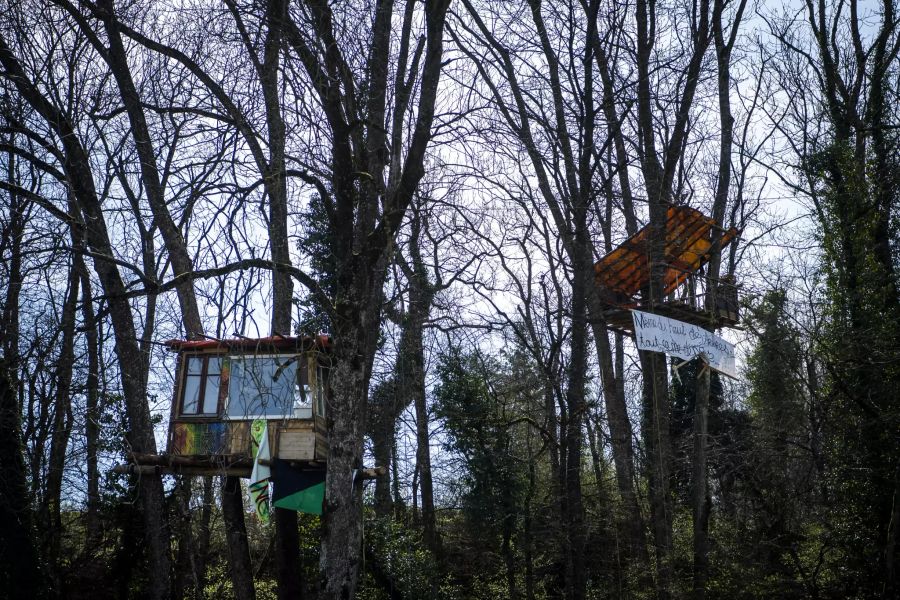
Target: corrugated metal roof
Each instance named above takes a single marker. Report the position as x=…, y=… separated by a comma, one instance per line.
x=625, y=270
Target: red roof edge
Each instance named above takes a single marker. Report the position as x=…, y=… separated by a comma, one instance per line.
x=275, y=342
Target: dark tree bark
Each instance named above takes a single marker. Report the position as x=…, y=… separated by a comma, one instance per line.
x=140, y=431
x=61, y=429
x=381, y=428
x=701, y=502
x=20, y=573
x=364, y=214
x=411, y=369
x=93, y=526
x=236, y=535
x=203, y=539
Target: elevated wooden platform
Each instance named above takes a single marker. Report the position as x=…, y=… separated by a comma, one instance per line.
x=691, y=239
x=221, y=464
x=621, y=319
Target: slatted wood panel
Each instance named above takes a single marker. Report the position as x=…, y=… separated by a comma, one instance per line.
x=623, y=272
x=296, y=441
x=239, y=438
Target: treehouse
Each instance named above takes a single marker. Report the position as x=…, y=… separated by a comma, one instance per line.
x=222, y=387
x=623, y=276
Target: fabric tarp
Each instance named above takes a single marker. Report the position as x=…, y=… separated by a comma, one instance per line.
x=298, y=489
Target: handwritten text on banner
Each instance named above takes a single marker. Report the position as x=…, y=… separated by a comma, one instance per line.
x=661, y=334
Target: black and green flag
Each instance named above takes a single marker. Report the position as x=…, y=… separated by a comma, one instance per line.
x=298, y=489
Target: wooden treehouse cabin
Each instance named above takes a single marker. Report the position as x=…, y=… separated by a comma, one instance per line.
x=252, y=408
x=623, y=275
x=223, y=386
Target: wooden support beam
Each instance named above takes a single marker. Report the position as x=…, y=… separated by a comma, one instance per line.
x=176, y=460
x=151, y=464
x=131, y=469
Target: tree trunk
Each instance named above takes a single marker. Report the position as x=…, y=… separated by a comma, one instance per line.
x=20, y=574
x=239, y=565
x=287, y=555
x=140, y=429
x=423, y=460
x=60, y=431
x=382, y=434
x=700, y=488
x=275, y=177
x=93, y=526
x=632, y=521
x=342, y=516
x=411, y=382
x=287, y=537
x=202, y=546
x=657, y=441
x=181, y=529
x=576, y=584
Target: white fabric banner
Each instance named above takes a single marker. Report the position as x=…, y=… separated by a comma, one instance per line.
x=686, y=341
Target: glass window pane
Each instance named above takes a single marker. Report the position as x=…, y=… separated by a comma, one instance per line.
x=302, y=395
x=195, y=365
x=320, y=393
x=211, y=394
x=191, y=393
x=262, y=386
x=215, y=365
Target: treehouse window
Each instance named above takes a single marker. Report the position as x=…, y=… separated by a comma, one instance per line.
x=251, y=386
x=272, y=386
x=201, y=385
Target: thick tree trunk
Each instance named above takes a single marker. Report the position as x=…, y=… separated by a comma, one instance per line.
x=423, y=460
x=411, y=380
x=382, y=434
x=576, y=584
x=287, y=536
x=239, y=565
x=275, y=177
x=385, y=404
x=287, y=555
x=20, y=575
x=181, y=529
x=342, y=544
x=658, y=447
x=509, y=555
x=632, y=522
x=203, y=536
x=93, y=526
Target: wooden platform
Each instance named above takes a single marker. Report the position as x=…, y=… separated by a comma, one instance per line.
x=621, y=319
x=221, y=464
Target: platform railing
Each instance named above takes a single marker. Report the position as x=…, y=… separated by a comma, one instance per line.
x=690, y=296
